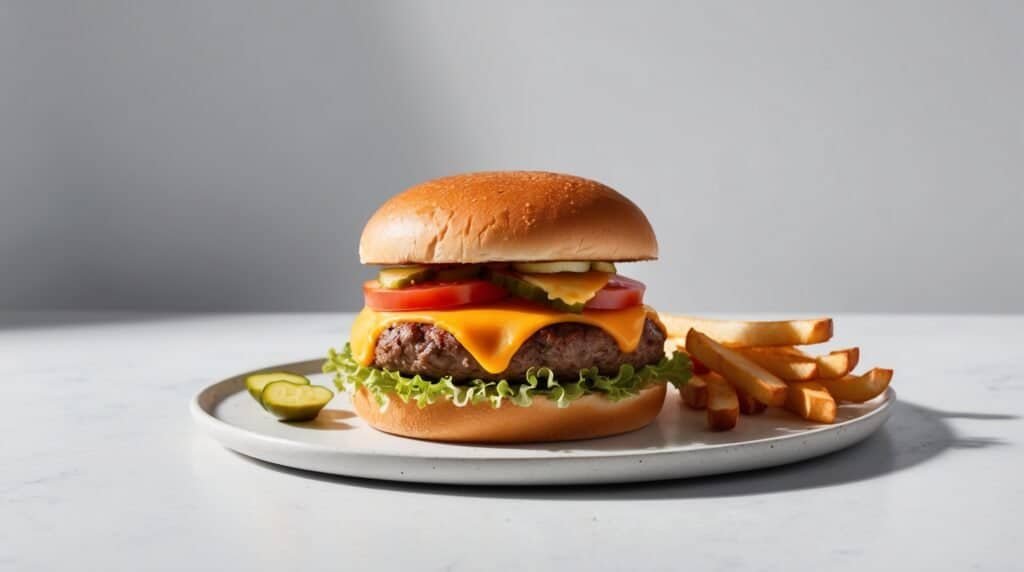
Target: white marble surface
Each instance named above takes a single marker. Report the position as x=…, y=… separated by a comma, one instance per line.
x=101, y=468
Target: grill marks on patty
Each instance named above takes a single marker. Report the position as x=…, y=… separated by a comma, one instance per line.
x=424, y=349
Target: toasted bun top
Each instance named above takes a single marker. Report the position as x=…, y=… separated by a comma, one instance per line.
x=507, y=216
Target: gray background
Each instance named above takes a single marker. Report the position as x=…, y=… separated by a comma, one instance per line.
x=794, y=156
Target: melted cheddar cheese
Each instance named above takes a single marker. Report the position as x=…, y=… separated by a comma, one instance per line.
x=493, y=334
x=570, y=287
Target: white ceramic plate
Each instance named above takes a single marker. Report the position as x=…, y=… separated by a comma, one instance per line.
x=676, y=445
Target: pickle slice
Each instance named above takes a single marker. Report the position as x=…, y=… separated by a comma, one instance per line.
x=551, y=267
x=517, y=286
x=603, y=267
x=292, y=402
x=457, y=273
x=256, y=382
x=402, y=276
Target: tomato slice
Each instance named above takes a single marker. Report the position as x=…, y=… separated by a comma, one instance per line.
x=697, y=367
x=621, y=292
x=431, y=296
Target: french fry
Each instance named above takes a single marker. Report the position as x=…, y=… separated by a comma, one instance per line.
x=785, y=365
x=810, y=400
x=749, y=405
x=695, y=393
x=743, y=367
x=733, y=333
x=858, y=388
x=761, y=384
x=723, y=406
x=836, y=364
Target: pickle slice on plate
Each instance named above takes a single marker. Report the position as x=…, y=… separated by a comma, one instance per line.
x=552, y=267
x=292, y=402
x=403, y=276
x=256, y=382
x=603, y=267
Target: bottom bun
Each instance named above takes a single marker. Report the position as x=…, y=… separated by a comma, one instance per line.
x=586, y=418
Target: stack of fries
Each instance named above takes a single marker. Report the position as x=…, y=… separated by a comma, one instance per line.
x=744, y=367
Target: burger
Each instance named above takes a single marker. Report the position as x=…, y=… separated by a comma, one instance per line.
x=498, y=314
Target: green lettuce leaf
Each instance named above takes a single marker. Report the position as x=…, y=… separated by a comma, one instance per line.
x=382, y=384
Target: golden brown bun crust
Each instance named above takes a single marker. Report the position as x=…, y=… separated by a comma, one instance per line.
x=507, y=216
x=588, y=417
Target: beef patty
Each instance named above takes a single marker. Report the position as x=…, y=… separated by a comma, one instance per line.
x=424, y=349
